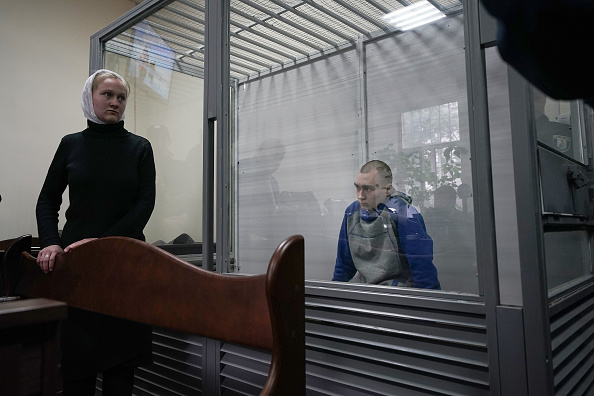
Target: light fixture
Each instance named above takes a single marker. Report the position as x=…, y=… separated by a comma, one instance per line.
x=416, y=14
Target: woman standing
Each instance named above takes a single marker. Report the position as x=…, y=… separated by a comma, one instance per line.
x=110, y=173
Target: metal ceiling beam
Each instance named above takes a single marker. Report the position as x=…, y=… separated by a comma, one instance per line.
x=201, y=58
x=188, y=69
x=201, y=50
x=193, y=5
x=269, y=38
x=201, y=9
x=247, y=58
x=122, y=45
x=243, y=66
x=316, y=22
x=281, y=18
x=379, y=6
x=358, y=12
x=342, y=20
x=264, y=46
x=272, y=27
x=136, y=38
x=436, y=5
x=185, y=15
x=162, y=28
x=187, y=37
x=136, y=51
x=176, y=33
x=145, y=33
x=261, y=55
x=168, y=39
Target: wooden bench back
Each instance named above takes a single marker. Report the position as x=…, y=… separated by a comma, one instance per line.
x=133, y=280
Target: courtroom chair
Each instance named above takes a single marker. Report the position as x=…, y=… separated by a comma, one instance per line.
x=4, y=244
x=29, y=348
x=10, y=269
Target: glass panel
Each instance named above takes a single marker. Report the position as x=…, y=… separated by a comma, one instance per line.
x=165, y=106
x=304, y=131
x=297, y=153
x=558, y=125
x=418, y=122
x=567, y=256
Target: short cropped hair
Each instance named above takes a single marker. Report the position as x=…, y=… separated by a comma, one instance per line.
x=102, y=75
x=381, y=167
x=445, y=197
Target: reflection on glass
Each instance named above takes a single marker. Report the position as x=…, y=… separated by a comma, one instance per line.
x=419, y=126
x=567, y=256
x=452, y=229
x=154, y=66
x=259, y=191
x=431, y=125
x=557, y=126
x=165, y=106
x=296, y=133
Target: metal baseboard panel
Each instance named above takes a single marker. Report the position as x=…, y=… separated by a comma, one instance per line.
x=176, y=368
x=243, y=370
x=373, y=341
x=572, y=342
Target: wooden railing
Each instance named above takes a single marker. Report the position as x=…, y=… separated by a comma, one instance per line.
x=130, y=279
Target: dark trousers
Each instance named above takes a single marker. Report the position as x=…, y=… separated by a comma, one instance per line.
x=118, y=381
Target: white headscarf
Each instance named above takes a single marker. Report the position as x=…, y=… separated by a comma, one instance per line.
x=87, y=97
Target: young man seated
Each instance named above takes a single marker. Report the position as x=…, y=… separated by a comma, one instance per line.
x=383, y=239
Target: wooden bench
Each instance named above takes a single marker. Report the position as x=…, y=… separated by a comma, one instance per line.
x=133, y=280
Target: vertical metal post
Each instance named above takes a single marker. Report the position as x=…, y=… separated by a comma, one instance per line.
x=364, y=130
x=216, y=129
x=528, y=208
x=207, y=188
x=480, y=144
x=210, y=366
x=233, y=171
x=216, y=134
x=223, y=141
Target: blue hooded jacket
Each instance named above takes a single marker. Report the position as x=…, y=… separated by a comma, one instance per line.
x=414, y=244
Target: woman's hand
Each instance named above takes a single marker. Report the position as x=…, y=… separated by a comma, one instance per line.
x=78, y=243
x=47, y=257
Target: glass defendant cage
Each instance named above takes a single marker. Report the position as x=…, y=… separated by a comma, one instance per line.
x=260, y=114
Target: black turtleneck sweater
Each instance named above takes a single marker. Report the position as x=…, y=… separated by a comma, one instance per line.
x=111, y=177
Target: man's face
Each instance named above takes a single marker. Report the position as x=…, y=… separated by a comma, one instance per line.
x=372, y=189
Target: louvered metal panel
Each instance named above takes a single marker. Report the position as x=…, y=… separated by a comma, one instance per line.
x=243, y=370
x=374, y=342
x=572, y=342
x=176, y=368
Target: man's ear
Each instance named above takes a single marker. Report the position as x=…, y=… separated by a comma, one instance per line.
x=389, y=189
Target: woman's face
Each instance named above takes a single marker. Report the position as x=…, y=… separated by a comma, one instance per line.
x=109, y=100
